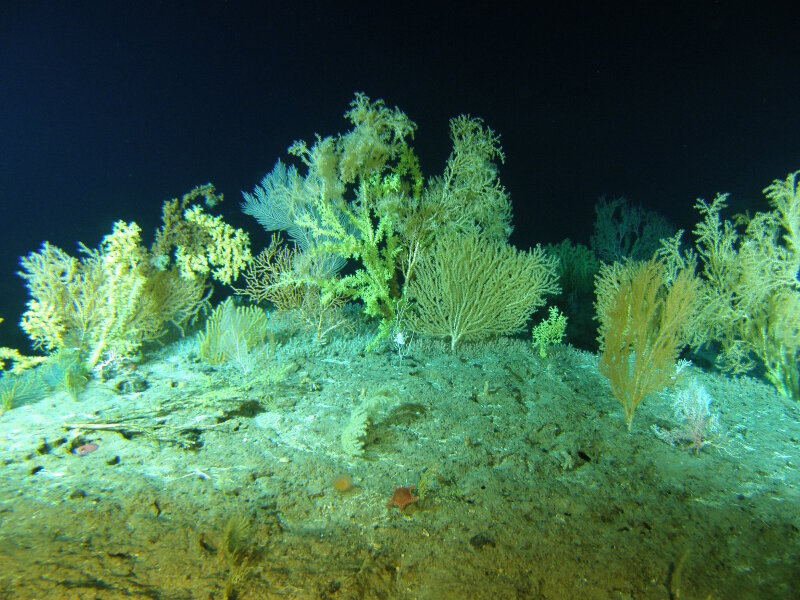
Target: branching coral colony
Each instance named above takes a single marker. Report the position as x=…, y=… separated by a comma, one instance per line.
x=362, y=198
x=751, y=296
x=120, y=295
x=427, y=257
x=746, y=298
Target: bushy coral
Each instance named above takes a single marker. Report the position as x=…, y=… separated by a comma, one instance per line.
x=362, y=199
x=623, y=230
x=577, y=266
x=92, y=303
x=120, y=295
x=695, y=424
x=468, y=197
x=223, y=250
x=549, y=331
x=198, y=243
x=369, y=164
x=19, y=362
x=751, y=291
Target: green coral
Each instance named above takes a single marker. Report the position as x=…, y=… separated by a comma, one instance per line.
x=549, y=331
x=375, y=164
x=363, y=199
x=370, y=239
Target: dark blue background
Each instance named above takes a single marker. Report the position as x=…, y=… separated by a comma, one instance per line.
x=110, y=108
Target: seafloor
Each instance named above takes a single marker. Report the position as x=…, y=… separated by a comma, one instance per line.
x=211, y=483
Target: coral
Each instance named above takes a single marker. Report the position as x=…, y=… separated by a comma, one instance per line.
x=322, y=316
x=468, y=197
x=64, y=371
x=751, y=290
x=622, y=230
x=232, y=333
x=217, y=248
x=20, y=388
x=368, y=161
x=378, y=137
x=354, y=435
x=287, y=201
x=118, y=296
x=696, y=423
x=175, y=230
x=269, y=276
x=198, y=243
x=577, y=266
x=470, y=288
x=549, y=331
x=644, y=324
x=20, y=362
x=279, y=203
x=92, y=303
x=362, y=199
x=373, y=242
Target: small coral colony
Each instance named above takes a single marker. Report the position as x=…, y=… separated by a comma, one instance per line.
x=355, y=223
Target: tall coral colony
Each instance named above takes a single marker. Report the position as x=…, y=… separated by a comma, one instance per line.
x=425, y=257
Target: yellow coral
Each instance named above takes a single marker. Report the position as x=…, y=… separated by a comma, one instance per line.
x=225, y=253
x=20, y=361
x=470, y=288
x=644, y=324
x=751, y=302
x=111, y=300
x=119, y=325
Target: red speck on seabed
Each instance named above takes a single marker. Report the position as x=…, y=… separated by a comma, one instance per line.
x=85, y=449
